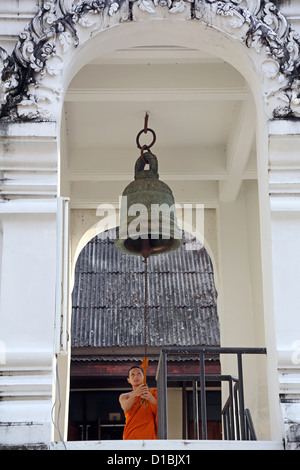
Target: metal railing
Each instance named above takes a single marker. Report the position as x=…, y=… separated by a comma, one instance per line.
x=237, y=422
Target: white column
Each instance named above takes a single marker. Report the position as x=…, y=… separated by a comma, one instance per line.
x=28, y=209
x=240, y=302
x=284, y=189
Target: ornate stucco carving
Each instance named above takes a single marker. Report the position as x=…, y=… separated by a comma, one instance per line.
x=25, y=87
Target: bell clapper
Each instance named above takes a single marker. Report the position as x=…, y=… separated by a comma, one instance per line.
x=146, y=248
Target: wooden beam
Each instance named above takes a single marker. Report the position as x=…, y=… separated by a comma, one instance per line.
x=238, y=150
x=119, y=369
x=177, y=94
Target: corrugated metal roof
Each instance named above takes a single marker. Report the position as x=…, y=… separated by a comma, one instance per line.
x=108, y=297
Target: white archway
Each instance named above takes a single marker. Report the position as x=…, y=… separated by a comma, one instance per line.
x=125, y=35
x=252, y=36
x=49, y=49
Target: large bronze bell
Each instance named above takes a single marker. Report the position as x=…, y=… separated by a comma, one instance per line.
x=148, y=223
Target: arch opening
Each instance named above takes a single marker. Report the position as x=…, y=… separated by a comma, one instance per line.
x=202, y=167
x=108, y=325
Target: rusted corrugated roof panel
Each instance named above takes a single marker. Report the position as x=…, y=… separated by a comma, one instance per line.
x=108, y=298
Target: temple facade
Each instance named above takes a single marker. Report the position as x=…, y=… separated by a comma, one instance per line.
x=220, y=80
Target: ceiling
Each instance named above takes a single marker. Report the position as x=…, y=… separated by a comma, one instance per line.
x=199, y=107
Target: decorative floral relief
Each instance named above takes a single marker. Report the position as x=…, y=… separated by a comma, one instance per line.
x=35, y=55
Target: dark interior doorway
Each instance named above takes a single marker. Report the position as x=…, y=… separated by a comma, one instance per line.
x=97, y=415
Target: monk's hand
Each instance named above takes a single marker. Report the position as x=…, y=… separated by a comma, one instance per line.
x=147, y=395
x=140, y=390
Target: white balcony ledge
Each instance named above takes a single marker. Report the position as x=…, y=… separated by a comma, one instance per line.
x=169, y=445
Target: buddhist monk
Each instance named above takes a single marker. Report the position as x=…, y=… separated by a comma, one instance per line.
x=140, y=407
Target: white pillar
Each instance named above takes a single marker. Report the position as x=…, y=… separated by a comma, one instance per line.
x=28, y=282
x=240, y=301
x=284, y=189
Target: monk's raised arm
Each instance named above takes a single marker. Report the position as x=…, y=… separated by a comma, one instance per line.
x=127, y=401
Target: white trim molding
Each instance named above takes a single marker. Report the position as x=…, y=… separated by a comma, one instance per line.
x=31, y=74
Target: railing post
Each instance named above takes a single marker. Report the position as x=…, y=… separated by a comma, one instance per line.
x=195, y=410
x=231, y=410
x=203, y=396
x=241, y=396
x=162, y=397
x=224, y=418
x=251, y=435
x=184, y=411
x=236, y=410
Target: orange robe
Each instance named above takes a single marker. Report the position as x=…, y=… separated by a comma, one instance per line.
x=141, y=421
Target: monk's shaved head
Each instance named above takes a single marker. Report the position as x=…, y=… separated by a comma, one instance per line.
x=135, y=367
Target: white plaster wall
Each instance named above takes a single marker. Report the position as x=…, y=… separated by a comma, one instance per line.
x=284, y=177
x=28, y=156
x=286, y=259
x=174, y=398
x=29, y=248
x=27, y=326
x=241, y=302
x=14, y=15
x=27, y=294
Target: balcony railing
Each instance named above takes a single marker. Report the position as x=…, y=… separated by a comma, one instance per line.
x=237, y=422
